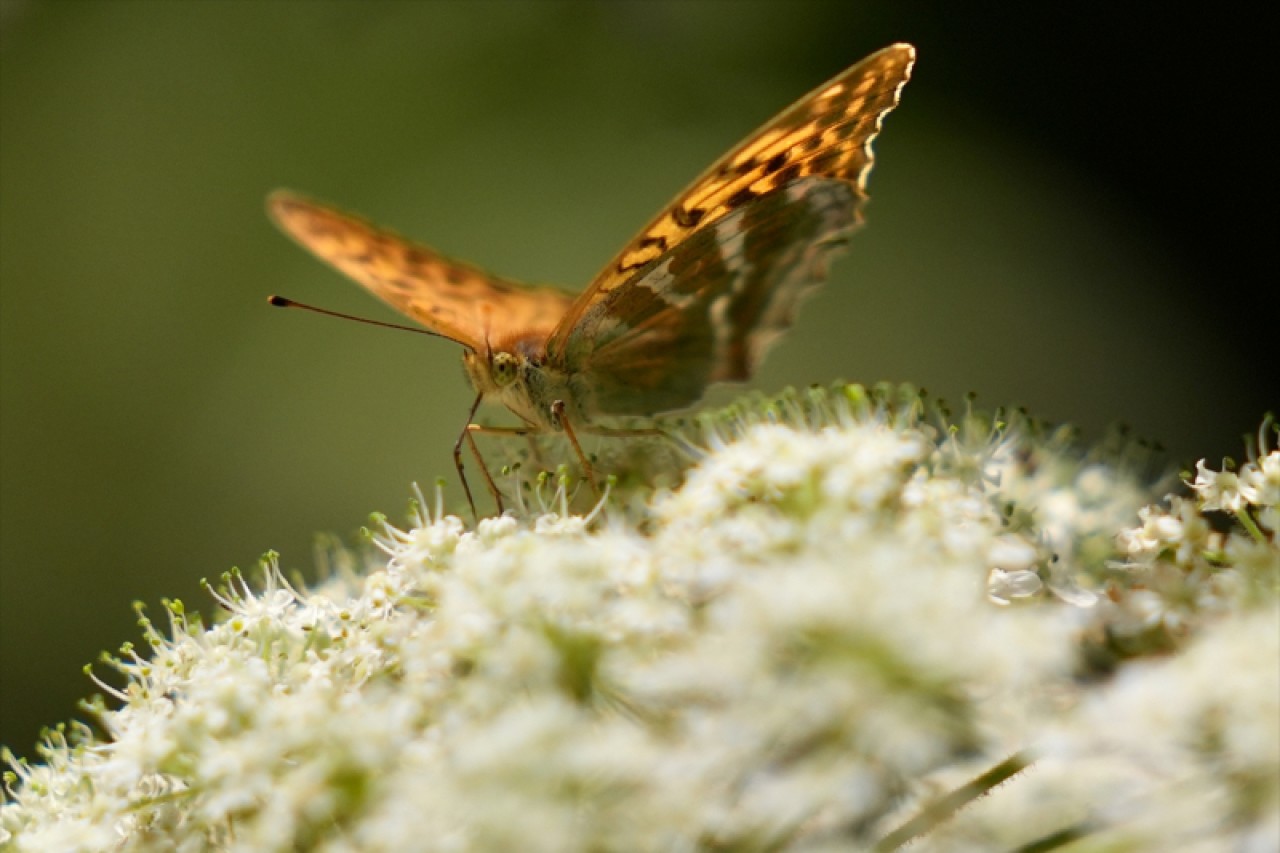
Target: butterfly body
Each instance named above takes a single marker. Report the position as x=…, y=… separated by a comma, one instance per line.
x=698, y=297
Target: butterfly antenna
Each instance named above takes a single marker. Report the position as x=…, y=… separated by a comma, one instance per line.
x=283, y=302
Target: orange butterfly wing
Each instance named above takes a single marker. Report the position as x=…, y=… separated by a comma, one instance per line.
x=449, y=297
x=826, y=134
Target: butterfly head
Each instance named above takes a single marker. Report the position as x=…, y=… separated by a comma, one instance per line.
x=505, y=375
x=491, y=372
x=515, y=374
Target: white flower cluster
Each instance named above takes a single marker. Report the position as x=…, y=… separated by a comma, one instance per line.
x=1182, y=568
x=845, y=614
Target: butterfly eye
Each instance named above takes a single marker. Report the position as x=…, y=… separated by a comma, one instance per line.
x=504, y=369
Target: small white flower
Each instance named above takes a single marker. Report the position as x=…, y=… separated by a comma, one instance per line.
x=1262, y=480
x=1179, y=532
x=1222, y=490
x=1159, y=529
x=1004, y=587
x=429, y=543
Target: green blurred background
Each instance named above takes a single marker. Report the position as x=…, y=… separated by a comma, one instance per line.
x=1063, y=217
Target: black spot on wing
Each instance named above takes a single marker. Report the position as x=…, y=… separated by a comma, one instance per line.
x=788, y=174
x=687, y=218
x=740, y=198
x=777, y=161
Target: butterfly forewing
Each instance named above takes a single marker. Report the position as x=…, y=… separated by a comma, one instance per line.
x=826, y=134
x=452, y=298
x=708, y=310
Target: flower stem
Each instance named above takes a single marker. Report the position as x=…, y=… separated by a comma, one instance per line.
x=943, y=808
x=1252, y=526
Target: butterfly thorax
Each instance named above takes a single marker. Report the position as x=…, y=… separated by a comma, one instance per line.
x=519, y=377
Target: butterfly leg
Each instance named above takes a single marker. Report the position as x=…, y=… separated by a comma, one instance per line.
x=558, y=413
x=470, y=433
x=465, y=435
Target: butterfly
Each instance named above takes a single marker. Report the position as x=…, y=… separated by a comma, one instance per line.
x=697, y=297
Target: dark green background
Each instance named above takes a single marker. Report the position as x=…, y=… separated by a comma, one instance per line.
x=1062, y=217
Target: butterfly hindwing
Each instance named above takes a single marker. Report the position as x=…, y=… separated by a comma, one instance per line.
x=449, y=297
x=709, y=309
